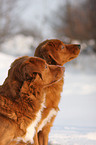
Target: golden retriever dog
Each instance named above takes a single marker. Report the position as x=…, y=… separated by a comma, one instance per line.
x=55, y=52
x=22, y=99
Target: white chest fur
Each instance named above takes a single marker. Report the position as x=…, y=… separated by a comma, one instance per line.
x=31, y=130
x=52, y=113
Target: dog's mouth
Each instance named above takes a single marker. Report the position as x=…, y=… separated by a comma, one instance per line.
x=71, y=58
x=53, y=82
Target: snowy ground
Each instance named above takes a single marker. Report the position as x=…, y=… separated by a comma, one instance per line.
x=73, y=136
x=76, y=122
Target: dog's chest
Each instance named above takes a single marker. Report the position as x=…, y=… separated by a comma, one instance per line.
x=53, y=112
x=31, y=130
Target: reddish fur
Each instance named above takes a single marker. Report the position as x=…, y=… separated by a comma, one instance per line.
x=21, y=96
x=54, y=52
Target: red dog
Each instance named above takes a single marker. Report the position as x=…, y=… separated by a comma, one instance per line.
x=55, y=52
x=22, y=99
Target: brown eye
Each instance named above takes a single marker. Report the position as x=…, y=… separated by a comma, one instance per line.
x=62, y=47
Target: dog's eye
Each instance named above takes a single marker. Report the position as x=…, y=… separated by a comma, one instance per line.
x=62, y=47
x=45, y=66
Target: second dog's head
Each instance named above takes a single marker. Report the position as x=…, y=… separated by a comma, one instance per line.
x=56, y=52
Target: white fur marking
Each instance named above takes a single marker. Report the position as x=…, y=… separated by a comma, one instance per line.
x=31, y=130
x=52, y=113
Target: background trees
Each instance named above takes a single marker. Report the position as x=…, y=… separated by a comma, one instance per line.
x=76, y=21
x=68, y=20
x=11, y=22
x=7, y=18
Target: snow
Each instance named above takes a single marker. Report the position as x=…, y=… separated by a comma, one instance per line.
x=72, y=137
x=75, y=123
x=19, y=45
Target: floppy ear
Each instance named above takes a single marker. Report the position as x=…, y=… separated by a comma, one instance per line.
x=46, y=54
x=51, y=59
x=15, y=71
x=30, y=70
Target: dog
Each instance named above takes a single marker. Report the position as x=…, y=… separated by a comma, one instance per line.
x=22, y=99
x=55, y=52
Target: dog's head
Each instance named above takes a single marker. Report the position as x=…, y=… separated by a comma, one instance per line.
x=56, y=52
x=35, y=68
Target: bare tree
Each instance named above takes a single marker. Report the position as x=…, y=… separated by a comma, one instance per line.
x=91, y=10
x=76, y=22
x=34, y=31
x=11, y=23
x=7, y=8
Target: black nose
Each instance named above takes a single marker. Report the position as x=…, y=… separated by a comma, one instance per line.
x=79, y=46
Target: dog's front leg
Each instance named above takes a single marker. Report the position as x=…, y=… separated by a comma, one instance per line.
x=43, y=135
x=40, y=137
x=36, y=139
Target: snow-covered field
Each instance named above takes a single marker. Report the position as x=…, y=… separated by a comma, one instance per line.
x=73, y=136
x=76, y=122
